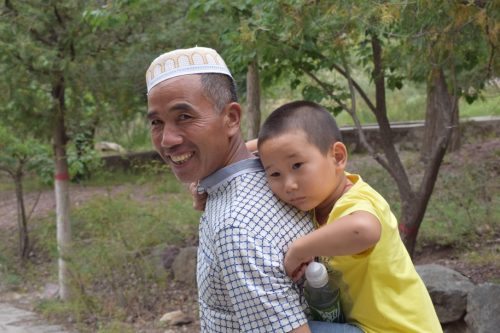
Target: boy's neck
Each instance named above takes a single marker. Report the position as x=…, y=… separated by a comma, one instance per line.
x=323, y=211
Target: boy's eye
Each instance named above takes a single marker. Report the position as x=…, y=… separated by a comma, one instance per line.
x=296, y=165
x=274, y=174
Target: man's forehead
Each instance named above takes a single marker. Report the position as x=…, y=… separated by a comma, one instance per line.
x=185, y=81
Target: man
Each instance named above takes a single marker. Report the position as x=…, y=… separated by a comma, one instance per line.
x=245, y=230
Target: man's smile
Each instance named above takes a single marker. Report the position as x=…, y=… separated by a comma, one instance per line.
x=181, y=158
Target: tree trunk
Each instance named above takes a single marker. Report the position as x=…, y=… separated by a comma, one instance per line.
x=253, y=100
x=24, y=243
x=435, y=124
x=455, y=141
x=443, y=106
x=440, y=105
x=394, y=166
x=61, y=183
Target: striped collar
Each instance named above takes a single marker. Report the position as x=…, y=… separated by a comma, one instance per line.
x=210, y=183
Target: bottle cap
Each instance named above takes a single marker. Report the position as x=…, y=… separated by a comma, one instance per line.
x=316, y=275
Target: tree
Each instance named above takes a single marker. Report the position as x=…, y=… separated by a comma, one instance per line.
x=240, y=45
x=16, y=158
x=49, y=44
x=315, y=39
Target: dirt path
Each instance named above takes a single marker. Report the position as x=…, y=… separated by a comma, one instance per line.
x=41, y=204
x=16, y=320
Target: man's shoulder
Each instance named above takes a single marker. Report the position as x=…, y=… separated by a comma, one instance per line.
x=253, y=196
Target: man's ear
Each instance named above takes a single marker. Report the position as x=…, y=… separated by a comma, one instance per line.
x=338, y=151
x=232, y=118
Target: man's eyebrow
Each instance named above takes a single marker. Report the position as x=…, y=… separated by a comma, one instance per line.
x=181, y=106
x=151, y=115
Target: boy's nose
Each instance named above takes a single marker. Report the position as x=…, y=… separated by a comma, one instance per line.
x=290, y=185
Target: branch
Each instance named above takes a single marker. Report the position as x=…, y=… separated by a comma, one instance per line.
x=339, y=69
x=41, y=38
x=8, y=171
x=58, y=16
x=437, y=154
x=489, y=71
x=34, y=205
x=10, y=7
x=357, y=86
x=352, y=111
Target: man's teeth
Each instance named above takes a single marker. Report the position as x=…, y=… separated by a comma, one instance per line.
x=179, y=159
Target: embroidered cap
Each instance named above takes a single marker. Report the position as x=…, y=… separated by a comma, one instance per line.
x=196, y=60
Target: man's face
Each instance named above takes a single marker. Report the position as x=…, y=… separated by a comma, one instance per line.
x=186, y=129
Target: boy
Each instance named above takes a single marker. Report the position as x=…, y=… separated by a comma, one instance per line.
x=357, y=234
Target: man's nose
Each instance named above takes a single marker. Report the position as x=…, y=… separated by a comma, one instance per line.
x=170, y=137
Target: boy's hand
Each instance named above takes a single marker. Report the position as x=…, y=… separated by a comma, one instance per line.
x=252, y=146
x=295, y=264
x=199, y=200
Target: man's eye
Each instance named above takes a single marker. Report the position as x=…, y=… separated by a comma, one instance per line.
x=296, y=165
x=154, y=123
x=184, y=117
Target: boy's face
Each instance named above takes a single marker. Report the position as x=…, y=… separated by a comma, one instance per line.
x=299, y=174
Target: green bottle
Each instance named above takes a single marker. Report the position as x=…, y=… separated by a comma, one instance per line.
x=321, y=296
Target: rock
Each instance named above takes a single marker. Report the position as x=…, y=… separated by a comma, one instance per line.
x=448, y=290
x=176, y=318
x=162, y=257
x=458, y=326
x=105, y=146
x=168, y=256
x=483, y=309
x=184, y=265
x=16, y=320
x=50, y=291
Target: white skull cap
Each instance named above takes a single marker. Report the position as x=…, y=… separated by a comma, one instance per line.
x=196, y=60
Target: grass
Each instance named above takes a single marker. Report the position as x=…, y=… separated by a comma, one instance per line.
x=464, y=207
x=115, y=261
x=116, y=237
x=406, y=104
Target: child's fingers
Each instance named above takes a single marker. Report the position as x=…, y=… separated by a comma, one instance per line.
x=199, y=200
x=299, y=273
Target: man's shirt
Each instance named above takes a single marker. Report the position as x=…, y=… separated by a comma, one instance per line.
x=244, y=234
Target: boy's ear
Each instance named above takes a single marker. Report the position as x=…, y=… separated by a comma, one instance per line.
x=232, y=118
x=339, y=153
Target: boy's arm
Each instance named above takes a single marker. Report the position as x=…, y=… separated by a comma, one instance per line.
x=351, y=234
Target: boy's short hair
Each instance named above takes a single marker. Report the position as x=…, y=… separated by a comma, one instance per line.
x=317, y=123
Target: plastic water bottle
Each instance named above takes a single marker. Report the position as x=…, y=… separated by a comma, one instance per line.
x=321, y=296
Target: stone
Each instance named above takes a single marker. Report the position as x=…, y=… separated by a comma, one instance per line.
x=105, y=146
x=50, y=291
x=176, y=318
x=483, y=309
x=448, y=290
x=184, y=265
x=16, y=320
x=162, y=257
x=168, y=256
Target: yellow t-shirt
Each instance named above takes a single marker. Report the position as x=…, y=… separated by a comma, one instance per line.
x=380, y=288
